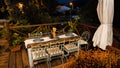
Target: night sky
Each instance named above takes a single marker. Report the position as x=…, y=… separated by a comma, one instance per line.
x=77, y=2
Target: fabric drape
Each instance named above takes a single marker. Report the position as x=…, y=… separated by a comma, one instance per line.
x=104, y=34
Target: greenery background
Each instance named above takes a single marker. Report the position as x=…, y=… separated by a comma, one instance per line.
x=46, y=14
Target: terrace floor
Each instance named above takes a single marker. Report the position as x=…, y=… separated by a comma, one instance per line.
x=19, y=59
x=14, y=59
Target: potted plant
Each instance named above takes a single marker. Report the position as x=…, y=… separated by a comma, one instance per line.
x=72, y=25
x=16, y=42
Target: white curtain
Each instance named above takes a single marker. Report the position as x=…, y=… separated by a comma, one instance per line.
x=104, y=34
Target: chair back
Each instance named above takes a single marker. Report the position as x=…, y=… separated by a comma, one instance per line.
x=85, y=36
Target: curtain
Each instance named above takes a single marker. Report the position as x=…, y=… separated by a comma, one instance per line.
x=104, y=34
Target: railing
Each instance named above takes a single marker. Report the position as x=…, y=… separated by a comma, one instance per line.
x=38, y=27
x=4, y=24
x=25, y=29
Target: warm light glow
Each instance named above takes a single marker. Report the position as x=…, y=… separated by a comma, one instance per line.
x=20, y=5
x=71, y=4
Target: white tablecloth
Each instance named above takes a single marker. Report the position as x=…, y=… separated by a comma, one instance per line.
x=29, y=41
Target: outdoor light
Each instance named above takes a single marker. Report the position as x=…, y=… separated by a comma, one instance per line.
x=71, y=4
x=20, y=6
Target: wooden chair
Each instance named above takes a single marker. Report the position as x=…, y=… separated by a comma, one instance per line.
x=70, y=47
x=55, y=51
x=40, y=55
x=84, y=40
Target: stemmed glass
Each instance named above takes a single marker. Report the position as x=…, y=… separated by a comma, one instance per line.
x=40, y=35
x=29, y=35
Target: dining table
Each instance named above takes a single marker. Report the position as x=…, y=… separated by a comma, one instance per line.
x=38, y=42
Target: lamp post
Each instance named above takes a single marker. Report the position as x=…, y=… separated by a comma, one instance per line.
x=71, y=5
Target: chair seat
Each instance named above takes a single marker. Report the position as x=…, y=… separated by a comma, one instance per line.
x=54, y=51
x=37, y=55
x=82, y=42
x=70, y=47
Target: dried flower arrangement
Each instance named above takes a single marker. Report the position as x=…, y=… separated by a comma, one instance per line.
x=94, y=59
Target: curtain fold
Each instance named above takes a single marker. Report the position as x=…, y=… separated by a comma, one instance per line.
x=104, y=34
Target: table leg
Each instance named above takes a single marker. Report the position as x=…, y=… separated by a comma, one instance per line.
x=30, y=58
x=78, y=46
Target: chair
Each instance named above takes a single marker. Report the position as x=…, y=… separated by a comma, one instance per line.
x=55, y=51
x=84, y=39
x=70, y=47
x=39, y=54
x=61, y=42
